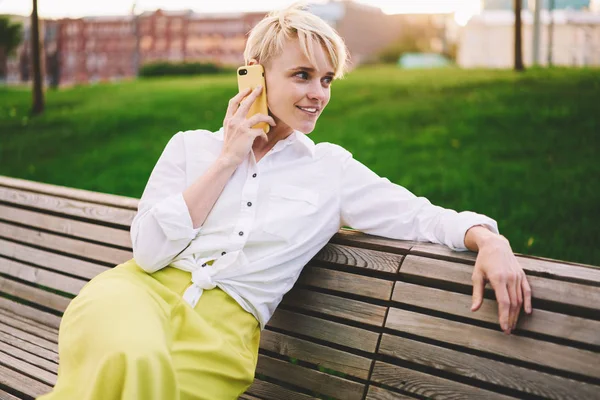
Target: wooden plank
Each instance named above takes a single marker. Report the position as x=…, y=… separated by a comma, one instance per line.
x=49, y=260
x=270, y=391
x=354, y=238
x=29, y=347
x=572, y=294
x=527, y=381
x=28, y=337
x=359, y=285
x=248, y=397
x=34, y=295
x=38, y=276
x=377, y=393
x=317, y=354
x=526, y=349
x=28, y=369
x=560, y=270
x=28, y=321
x=29, y=312
x=72, y=193
x=65, y=206
x=359, y=258
x=7, y=396
x=429, y=386
x=29, y=358
x=62, y=225
x=341, y=307
x=22, y=383
x=28, y=327
x=549, y=323
x=329, y=331
x=51, y=242
x=312, y=380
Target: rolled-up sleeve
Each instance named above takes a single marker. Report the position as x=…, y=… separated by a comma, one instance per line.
x=377, y=206
x=162, y=227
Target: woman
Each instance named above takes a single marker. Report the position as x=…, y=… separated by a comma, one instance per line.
x=225, y=225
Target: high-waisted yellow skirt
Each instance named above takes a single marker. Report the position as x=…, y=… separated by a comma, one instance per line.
x=130, y=335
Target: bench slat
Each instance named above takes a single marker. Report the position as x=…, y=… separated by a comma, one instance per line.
x=49, y=260
x=572, y=294
x=68, y=192
x=483, y=369
x=34, y=295
x=28, y=369
x=496, y=342
x=341, y=307
x=354, y=238
x=428, y=385
x=40, y=276
x=61, y=225
x=339, y=281
x=22, y=383
x=312, y=380
x=75, y=247
x=377, y=393
x=270, y=391
x=28, y=312
x=322, y=329
x=304, y=350
x=29, y=347
x=359, y=258
x=7, y=396
x=29, y=327
x=549, y=323
x=28, y=337
x=29, y=358
x=75, y=208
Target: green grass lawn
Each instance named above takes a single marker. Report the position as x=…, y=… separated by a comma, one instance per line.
x=522, y=149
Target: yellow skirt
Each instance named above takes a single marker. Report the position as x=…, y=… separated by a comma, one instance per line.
x=129, y=335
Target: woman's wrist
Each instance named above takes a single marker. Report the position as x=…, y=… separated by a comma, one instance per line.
x=479, y=236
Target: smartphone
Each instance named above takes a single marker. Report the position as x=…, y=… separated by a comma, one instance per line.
x=251, y=76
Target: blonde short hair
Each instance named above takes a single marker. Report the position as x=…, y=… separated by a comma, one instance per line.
x=267, y=38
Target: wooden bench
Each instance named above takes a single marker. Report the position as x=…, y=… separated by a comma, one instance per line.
x=369, y=318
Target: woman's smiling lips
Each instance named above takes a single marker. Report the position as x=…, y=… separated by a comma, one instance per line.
x=312, y=111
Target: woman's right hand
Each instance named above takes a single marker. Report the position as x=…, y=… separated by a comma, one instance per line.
x=239, y=134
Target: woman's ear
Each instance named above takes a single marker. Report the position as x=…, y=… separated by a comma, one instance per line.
x=253, y=62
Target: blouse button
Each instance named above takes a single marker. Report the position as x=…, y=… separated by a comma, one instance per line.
x=241, y=233
x=254, y=175
x=223, y=253
x=249, y=204
x=204, y=265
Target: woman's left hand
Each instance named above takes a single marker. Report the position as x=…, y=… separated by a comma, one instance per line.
x=497, y=264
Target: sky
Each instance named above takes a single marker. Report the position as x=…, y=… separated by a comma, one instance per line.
x=80, y=8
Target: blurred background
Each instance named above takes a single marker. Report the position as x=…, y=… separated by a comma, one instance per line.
x=484, y=105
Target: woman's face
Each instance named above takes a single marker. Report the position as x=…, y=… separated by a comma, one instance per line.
x=297, y=92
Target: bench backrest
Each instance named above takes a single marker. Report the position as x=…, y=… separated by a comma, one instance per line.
x=369, y=317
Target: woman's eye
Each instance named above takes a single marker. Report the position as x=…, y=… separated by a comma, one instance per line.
x=328, y=80
x=302, y=75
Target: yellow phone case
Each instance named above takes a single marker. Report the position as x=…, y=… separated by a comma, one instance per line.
x=250, y=76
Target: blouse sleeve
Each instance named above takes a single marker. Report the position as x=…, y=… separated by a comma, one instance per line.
x=162, y=227
x=376, y=206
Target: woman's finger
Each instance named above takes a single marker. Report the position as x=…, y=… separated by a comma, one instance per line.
x=519, y=301
x=234, y=103
x=526, y=294
x=248, y=101
x=257, y=118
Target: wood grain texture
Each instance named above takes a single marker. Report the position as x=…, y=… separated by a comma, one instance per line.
x=429, y=386
x=29, y=358
x=317, y=354
x=360, y=258
x=354, y=238
x=28, y=321
x=29, y=327
x=346, y=282
x=483, y=369
x=571, y=294
x=312, y=380
x=24, y=367
x=66, y=226
x=50, y=241
x=561, y=326
x=377, y=393
x=7, y=396
x=270, y=391
x=72, y=193
x=28, y=312
x=29, y=347
x=534, y=351
x=75, y=208
x=34, y=295
x=40, y=276
x=28, y=337
x=57, y=262
x=341, y=307
x=322, y=329
x=22, y=383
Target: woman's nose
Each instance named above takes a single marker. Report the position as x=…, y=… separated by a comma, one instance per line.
x=317, y=92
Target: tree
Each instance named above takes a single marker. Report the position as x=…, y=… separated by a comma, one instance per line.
x=518, y=37
x=11, y=35
x=38, y=94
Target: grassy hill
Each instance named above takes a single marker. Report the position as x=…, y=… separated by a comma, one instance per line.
x=522, y=149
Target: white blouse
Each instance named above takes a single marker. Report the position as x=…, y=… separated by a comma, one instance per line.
x=274, y=216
